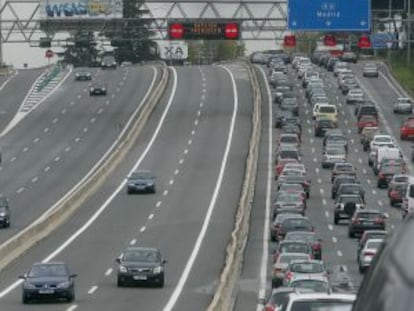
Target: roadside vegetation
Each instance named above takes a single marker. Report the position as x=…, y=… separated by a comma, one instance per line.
x=402, y=71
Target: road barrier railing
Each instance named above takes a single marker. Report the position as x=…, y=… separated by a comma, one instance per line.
x=49, y=77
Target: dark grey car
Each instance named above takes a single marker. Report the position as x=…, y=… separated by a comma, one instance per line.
x=4, y=212
x=48, y=280
x=98, y=89
x=141, y=265
x=141, y=181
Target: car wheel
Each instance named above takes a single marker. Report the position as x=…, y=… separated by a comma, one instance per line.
x=351, y=234
x=71, y=296
x=361, y=270
x=25, y=299
x=336, y=219
x=160, y=284
x=379, y=185
x=119, y=283
x=392, y=203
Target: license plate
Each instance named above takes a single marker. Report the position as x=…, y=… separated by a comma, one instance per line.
x=46, y=291
x=140, y=277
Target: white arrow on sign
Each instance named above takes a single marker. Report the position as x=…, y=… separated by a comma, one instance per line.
x=363, y=23
x=328, y=23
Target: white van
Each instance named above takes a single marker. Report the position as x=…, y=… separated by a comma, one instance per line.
x=385, y=153
x=408, y=200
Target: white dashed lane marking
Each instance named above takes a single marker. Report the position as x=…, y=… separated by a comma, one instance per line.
x=334, y=239
x=133, y=242
x=35, y=179
x=55, y=120
x=47, y=168
x=36, y=140
x=72, y=308
x=142, y=229
x=108, y=272
x=165, y=192
x=92, y=290
x=46, y=130
x=13, y=159
x=339, y=253
x=176, y=172
x=330, y=227
x=25, y=149
x=151, y=216
x=171, y=182
x=158, y=204
x=20, y=190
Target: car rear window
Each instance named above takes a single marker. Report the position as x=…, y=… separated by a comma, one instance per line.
x=327, y=109
x=322, y=305
x=368, y=215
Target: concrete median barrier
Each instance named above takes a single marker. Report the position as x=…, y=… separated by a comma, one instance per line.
x=58, y=214
x=225, y=294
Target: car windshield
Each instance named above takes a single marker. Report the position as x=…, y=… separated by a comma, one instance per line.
x=335, y=151
x=142, y=175
x=286, y=258
x=289, y=139
x=141, y=256
x=382, y=139
x=391, y=169
x=344, y=167
x=294, y=248
x=350, y=188
x=322, y=305
x=289, y=198
x=289, y=154
x=292, y=173
x=47, y=270
x=316, y=285
x=368, y=215
x=354, y=199
x=307, y=267
x=404, y=101
x=374, y=244
x=296, y=223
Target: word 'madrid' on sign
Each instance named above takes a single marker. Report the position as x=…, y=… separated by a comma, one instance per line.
x=329, y=15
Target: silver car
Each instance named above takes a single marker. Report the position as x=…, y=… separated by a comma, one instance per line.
x=403, y=105
x=367, y=253
x=354, y=96
x=370, y=70
x=333, y=155
x=305, y=269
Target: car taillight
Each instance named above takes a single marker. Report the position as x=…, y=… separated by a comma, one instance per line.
x=381, y=176
x=270, y=308
x=369, y=253
x=276, y=270
x=356, y=221
x=289, y=275
x=316, y=246
x=378, y=221
x=394, y=194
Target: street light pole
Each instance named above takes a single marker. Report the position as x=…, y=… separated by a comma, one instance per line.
x=409, y=33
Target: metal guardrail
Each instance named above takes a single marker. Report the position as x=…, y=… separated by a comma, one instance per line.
x=49, y=77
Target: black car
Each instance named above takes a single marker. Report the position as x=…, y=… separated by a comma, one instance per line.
x=351, y=188
x=141, y=181
x=83, y=76
x=298, y=223
x=342, y=179
x=48, y=280
x=108, y=62
x=322, y=125
x=141, y=265
x=366, y=220
x=281, y=117
x=4, y=212
x=98, y=89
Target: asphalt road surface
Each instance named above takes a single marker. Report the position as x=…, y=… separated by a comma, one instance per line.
x=196, y=144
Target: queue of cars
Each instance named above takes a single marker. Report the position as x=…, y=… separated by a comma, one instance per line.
x=298, y=269
x=294, y=259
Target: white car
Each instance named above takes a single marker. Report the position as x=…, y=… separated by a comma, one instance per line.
x=381, y=139
x=403, y=105
x=354, y=96
x=320, y=301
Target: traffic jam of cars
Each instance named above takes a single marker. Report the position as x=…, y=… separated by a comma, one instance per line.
x=304, y=112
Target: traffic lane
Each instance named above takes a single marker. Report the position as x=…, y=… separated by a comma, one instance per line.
x=172, y=220
x=382, y=91
x=250, y=282
x=210, y=261
x=14, y=92
x=63, y=149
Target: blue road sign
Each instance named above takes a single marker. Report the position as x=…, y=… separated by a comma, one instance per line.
x=329, y=15
x=384, y=40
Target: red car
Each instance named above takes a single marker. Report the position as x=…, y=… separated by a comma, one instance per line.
x=281, y=165
x=407, y=129
x=367, y=120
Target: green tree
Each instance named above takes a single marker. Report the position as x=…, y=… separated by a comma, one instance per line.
x=131, y=40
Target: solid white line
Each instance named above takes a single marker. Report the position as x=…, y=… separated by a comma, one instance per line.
x=265, y=244
x=184, y=276
x=92, y=290
x=120, y=188
x=108, y=272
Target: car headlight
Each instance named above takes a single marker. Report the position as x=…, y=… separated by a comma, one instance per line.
x=2, y=214
x=123, y=269
x=158, y=270
x=92, y=89
x=63, y=285
x=28, y=285
x=77, y=75
x=103, y=89
x=103, y=64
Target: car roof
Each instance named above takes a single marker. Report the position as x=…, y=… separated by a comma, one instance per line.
x=49, y=263
x=141, y=248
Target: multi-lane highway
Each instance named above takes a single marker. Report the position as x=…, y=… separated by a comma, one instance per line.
x=196, y=143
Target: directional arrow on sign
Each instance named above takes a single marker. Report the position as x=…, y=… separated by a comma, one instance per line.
x=328, y=23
